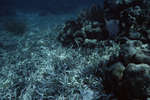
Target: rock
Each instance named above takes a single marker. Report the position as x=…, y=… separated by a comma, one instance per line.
x=141, y=58
x=97, y=30
x=117, y=70
x=87, y=28
x=94, y=33
x=90, y=43
x=134, y=43
x=133, y=35
x=126, y=54
x=146, y=49
x=114, y=75
x=96, y=24
x=113, y=59
x=136, y=82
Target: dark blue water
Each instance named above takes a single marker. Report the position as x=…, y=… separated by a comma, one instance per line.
x=10, y=7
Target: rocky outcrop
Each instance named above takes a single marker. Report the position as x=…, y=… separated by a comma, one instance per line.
x=128, y=74
x=126, y=22
x=83, y=34
x=135, y=83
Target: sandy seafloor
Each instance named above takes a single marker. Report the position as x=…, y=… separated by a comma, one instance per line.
x=35, y=65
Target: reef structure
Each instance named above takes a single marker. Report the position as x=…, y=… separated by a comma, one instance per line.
x=126, y=22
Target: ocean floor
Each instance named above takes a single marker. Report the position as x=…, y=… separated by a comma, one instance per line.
x=36, y=66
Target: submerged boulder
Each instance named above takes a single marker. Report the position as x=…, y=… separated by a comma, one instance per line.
x=126, y=54
x=136, y=82
x=128, y=74
x=117, y=70
x=141, y=58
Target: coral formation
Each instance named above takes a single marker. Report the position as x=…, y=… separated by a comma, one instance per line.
x=89, y=25
x=108, y=56
x=127, y=23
